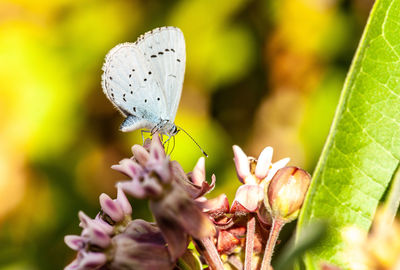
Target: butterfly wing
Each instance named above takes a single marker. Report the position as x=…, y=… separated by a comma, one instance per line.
x=165, y=50
x=129, y=83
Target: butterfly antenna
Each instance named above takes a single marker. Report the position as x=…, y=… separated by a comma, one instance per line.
x=201, y=149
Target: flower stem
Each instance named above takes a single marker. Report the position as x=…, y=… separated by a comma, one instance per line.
x=210, y=253
x=277, y=225
x=251, y=227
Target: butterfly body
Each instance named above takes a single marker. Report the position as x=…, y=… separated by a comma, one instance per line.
x=144, y=80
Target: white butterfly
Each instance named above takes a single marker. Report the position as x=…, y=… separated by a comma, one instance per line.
x=143, y=80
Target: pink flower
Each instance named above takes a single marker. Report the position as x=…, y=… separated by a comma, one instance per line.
x=87, y=260
x=95, y=237
x=148, y=171
x=170, y=191
x=253, y=174
x=116, y=209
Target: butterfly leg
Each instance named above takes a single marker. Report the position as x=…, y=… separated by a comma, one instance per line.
x=166, y=148
x=142, y=133
x=173, y=146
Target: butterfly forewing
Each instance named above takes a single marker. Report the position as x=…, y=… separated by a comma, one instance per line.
x=130, y=84
x=165, y=50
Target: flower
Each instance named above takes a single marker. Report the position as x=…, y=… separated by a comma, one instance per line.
x=114, y=241
x=94, y=239
x=255, y=171
x=117, y=209
x=253, y=174
x=171, y=193
x=148, y=171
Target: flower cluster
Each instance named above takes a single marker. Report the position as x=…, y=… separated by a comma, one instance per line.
x=270, y=196
x=95, y=240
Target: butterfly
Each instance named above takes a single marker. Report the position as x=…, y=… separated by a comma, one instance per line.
x=144, y=80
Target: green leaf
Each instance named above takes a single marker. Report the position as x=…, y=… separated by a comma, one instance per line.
x=363, y=147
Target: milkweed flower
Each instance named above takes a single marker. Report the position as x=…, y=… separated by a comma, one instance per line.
x=253, y=173
x=171, y=193
x=91, y=244
x=222, y=234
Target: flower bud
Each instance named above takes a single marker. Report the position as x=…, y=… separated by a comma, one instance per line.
x=284, y=195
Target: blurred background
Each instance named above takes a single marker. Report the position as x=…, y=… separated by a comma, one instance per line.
x=258, y=73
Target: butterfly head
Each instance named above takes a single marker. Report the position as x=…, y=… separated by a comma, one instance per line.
x=170, y=129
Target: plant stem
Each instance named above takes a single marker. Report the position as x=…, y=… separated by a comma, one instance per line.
x=277, y=225
x=210, y=253
x=251, y=228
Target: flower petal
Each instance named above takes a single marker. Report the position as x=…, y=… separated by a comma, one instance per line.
x=241, y=162
x=199, y=174
x=96, y=236
x=111, y=208
x=124, y=202
x=74, y=265
x=217, y=205
x=249, y=196
x=157, y=152
x=134, y=188
x=93, y=260
x=75, y=242
x=129, y=168
x=140, y=154
x=277, y=166
x=152, y=187
x=264, y=162
x=85, y=219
